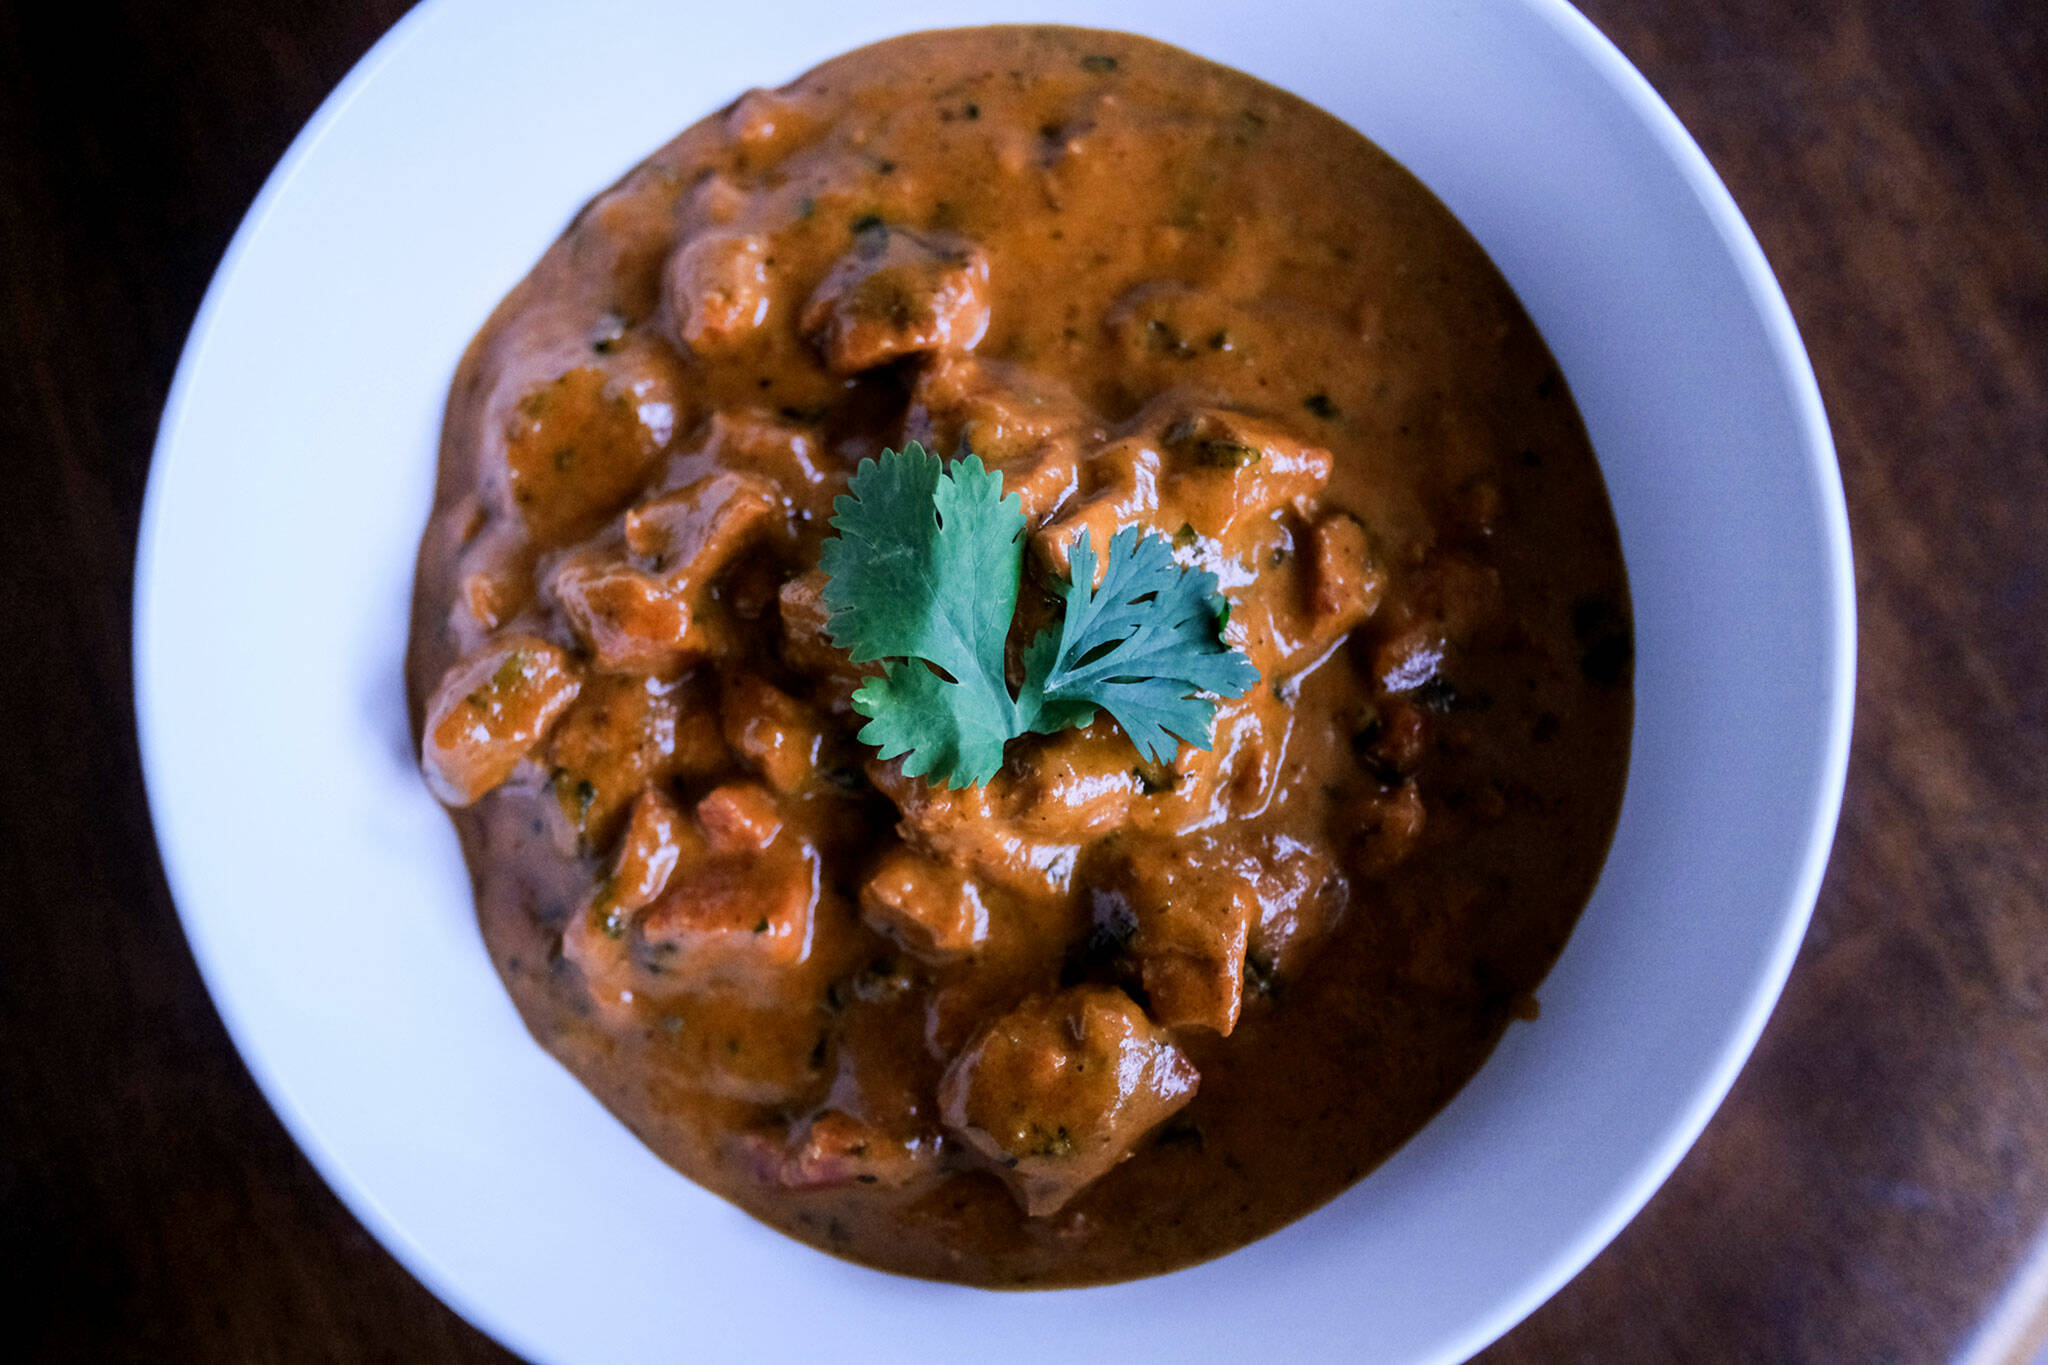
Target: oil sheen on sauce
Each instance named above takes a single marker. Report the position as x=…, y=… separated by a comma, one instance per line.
x=1152, y=291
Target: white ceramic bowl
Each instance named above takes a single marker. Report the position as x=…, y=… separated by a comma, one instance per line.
x=324, y=896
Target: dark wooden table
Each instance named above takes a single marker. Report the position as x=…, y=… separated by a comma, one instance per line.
x=1871, y=1191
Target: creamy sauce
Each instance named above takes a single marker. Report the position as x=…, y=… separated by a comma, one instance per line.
x=1153, y=292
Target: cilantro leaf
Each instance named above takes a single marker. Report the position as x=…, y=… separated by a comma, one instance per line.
x=1140, y=646
x=923, y=578
x=926, y=566
x=926, y=562
x=945, y=732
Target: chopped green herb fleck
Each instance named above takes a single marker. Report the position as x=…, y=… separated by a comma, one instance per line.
x=1320, y=405
x=846, y=777
x=1222, y=454
x=1160, y=336
x=1098, y=62
x=1154, y=778
x=1261, y=976
x=1437, y=694
x=506, y=676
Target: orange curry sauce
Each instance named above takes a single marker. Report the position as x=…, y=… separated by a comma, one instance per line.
x=1102, y=1017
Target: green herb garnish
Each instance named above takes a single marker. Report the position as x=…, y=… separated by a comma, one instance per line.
x=924, y=575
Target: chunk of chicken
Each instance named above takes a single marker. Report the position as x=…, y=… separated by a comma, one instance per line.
x=716, y=290
x=655, y=617
x=1214, y=472
x=495, y=581
x=1383, y=829
x=1392, y=740
x=1237, y=776
x=595, y=937
x=622, y=733
x=1445, y=603
x=732, y=914
x=933, y=910
x=1058, y=1091
x=628, y=617
x=1195, y=901
x=489, y=712
x=1077, y=784
x=1315, y=586
x=898, y=293
x=836, y=1149
x=970, y=828
x=692, y=532
x=577, y=446
x=1024, y=828
x=1228, y=467
x=1343, y=581
x=789, y=456
x=1123, y=489
x=1216, y=918
x=1301, y=896
x=716, y=198
x=807, y=632
x=1015, y=421
x=653, y=844
x=780, y=737
x=768, y=124
x=739, y=817
x=696, y=902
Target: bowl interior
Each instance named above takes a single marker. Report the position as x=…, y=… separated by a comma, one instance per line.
x=331, y=913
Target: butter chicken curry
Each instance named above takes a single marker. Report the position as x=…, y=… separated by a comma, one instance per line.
x=1032, y=1003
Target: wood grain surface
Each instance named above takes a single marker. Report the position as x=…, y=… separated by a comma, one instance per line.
x=1876, y=1183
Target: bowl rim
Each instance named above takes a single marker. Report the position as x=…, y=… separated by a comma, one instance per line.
x=1824, y=804
x=1794, y=371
